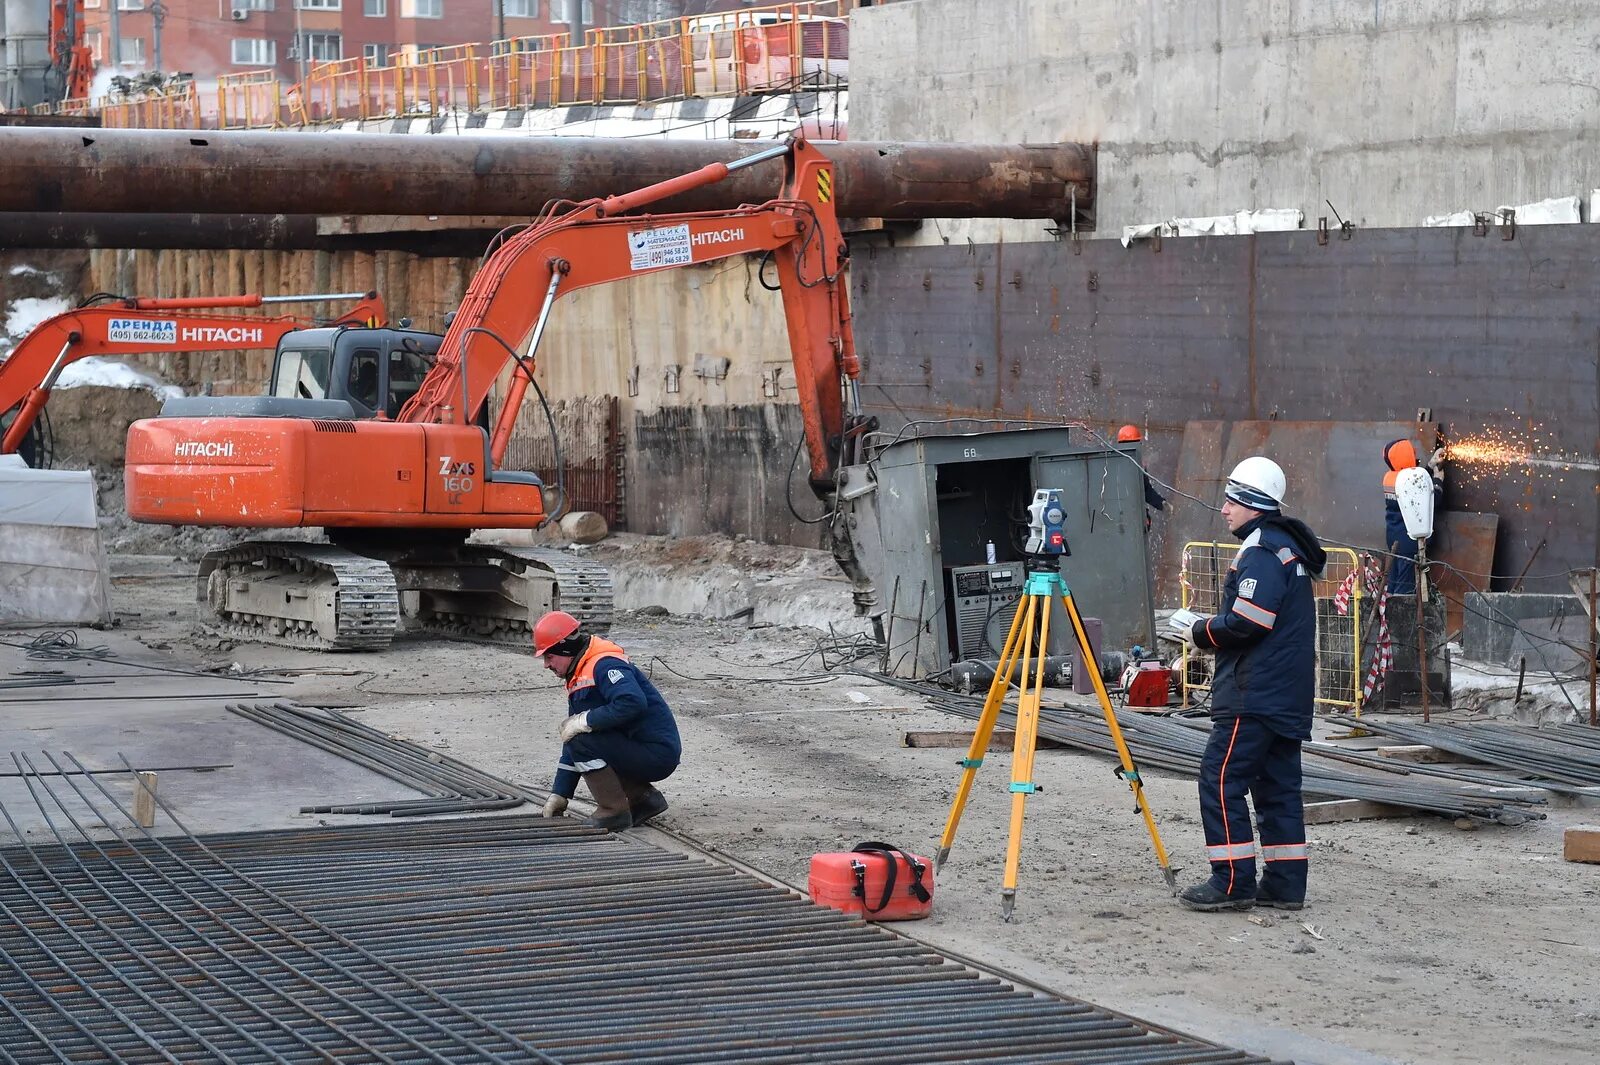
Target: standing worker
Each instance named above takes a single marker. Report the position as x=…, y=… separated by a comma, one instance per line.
x=1261, y=699
x=1154, y=500
x=1402, y=455
x=619, y=734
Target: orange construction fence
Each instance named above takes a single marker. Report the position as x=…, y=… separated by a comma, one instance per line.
x=755, y=50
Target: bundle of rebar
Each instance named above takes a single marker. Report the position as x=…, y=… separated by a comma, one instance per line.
x=452, y=786
x=1177, y=744
x=1565, y=758
x=498, y=939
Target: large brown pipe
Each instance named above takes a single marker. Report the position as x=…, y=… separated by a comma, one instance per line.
x=138, y=171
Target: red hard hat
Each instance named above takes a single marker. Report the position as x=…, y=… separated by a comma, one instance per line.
x=1128, y=434
x=551, y=629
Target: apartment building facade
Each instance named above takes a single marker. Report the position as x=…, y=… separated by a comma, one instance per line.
x=207, y=38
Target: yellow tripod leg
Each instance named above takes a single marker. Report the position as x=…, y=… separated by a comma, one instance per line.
x=982, y=734
x=1130, y=772
x=1022, y=784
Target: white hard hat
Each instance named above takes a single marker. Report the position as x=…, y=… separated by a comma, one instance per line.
x=1257, y=483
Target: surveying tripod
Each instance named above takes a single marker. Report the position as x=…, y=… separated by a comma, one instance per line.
x=1046, y=545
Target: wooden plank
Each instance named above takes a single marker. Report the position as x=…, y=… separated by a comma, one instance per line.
x=144, y=800
x=1578, y=580
x=1417, y=752
x=1322, y=813
x=1001, y=740
x=1581, y=843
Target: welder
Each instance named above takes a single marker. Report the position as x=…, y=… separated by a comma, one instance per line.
x=1402, y=455
x=619, y=735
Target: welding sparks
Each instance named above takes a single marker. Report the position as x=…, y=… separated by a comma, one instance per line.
x=1492, y=452
x=1501, y=454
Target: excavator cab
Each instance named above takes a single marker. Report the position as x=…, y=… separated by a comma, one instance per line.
x=374, y=370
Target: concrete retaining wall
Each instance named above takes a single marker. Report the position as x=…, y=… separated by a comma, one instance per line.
x=1508, y=628
x=1393, y=111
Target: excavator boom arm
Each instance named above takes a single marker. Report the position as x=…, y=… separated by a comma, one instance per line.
x=142, y=326
x=590, y=246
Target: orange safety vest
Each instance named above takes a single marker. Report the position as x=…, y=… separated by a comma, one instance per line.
x=583, y=673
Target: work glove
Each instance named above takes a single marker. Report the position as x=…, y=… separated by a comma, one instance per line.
x=573, y=725
x=1436, y=464
x=554, y=806
x=1182, y=623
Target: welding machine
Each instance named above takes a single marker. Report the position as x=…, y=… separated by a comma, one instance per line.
x=1146, y=682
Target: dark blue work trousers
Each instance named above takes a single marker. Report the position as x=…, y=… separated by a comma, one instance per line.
x=1245, y=755
x=631, y=758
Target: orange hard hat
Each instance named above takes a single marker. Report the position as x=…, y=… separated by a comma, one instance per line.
x=551, y=629
x=1128, y=434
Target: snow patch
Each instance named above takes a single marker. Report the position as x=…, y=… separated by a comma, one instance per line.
x=106, y=373
x=23, y=268
x=27, y=313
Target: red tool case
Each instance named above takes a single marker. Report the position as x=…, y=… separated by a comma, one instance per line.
x=876, y=881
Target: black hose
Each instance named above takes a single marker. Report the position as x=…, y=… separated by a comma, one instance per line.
x=555, y=438
x=101, y=297
x=788, y=488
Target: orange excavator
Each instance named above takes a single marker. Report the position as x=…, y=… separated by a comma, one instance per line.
x=352, y=358
x=122, y=326
x=397, y=497
x=71, y=59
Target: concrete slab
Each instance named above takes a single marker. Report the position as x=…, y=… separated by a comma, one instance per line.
x=1504, y=627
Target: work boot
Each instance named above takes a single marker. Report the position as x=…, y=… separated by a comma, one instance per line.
x=1265, y=896
x=644, y=801
x=1204, y=897
x=611, y=802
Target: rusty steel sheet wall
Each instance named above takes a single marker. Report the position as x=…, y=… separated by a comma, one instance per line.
x=1494, y=336
x=592, y=460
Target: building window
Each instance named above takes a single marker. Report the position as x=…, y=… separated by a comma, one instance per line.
x=252, y=5
x=254, y=52
x=91, y=3
x=422, y=8
x=321, y=47
x=319, y=5
x=131, y=51
x=96, y=43
x=375, y=8
x=376, y=55
x=561, y=11
x=521, y=8
x=130, y=5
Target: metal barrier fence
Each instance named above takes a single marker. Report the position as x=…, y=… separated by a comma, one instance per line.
x=593, y=466
x=1339, y=602
x=764, y=49
x=176, y=108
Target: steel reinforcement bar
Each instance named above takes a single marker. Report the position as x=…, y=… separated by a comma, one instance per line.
x=508, y=938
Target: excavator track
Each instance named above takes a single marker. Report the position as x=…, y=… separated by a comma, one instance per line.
x=513, y=587
x=316, y=596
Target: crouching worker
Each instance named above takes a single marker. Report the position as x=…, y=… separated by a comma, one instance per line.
x=619, y=734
